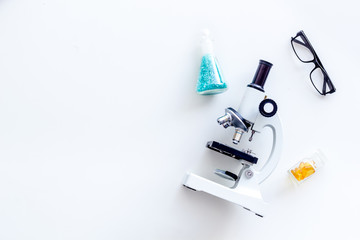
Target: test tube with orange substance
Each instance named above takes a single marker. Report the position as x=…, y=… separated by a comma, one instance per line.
x=307, y=167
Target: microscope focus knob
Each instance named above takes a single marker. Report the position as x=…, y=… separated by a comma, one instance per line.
x=264, y=107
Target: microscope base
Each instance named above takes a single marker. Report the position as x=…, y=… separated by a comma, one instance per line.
x=249, y=198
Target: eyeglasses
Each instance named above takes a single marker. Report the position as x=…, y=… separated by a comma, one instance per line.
x=306, y=53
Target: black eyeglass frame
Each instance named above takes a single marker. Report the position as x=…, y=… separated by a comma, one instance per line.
x=316, y=61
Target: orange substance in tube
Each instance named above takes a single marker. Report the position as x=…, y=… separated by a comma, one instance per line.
x=303, y=171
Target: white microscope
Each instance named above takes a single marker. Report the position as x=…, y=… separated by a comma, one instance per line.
x=256, y=112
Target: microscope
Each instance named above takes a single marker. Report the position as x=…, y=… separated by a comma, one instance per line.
x=256, y=113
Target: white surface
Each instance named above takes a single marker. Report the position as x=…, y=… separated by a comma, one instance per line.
x=100, y=119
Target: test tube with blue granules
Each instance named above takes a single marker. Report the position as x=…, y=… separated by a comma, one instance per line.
x=210, y=78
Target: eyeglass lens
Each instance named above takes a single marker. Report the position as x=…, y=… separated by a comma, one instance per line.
x=317, y=79
x=301, y=50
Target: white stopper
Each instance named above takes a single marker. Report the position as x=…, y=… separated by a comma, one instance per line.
x=206, y=42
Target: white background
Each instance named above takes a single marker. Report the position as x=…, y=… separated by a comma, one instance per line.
x=99, y=118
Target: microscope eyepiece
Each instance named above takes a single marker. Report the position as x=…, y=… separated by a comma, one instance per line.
x=261, y=75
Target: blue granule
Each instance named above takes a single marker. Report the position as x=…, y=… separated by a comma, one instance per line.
x=210, y=78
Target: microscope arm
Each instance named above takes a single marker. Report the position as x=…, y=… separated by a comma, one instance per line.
x=275, y=125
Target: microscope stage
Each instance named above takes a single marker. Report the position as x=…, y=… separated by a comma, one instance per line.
x=231, y=152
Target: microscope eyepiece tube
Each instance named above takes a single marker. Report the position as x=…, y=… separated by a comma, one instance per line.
x=261, y=75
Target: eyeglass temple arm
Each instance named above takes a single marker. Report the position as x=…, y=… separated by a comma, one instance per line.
x=299, y=42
